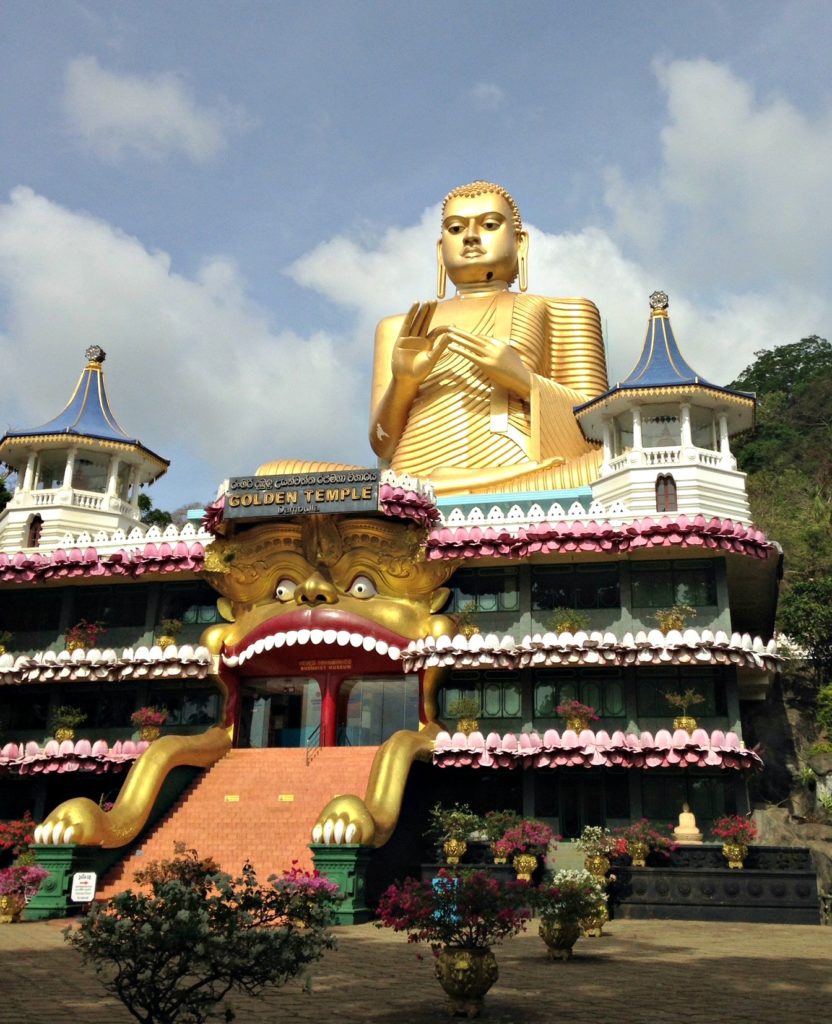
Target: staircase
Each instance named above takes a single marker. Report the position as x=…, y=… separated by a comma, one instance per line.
x=256, y=805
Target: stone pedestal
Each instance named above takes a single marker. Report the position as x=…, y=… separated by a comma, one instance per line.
x=346, y=865
x=52, y=899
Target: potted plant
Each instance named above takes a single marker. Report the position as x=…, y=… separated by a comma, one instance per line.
x=525, y=843
x=675, y=617
x=168, y=630
x=562, y=904
x=642, y=837
x=736, y=833
x=83, y=635
x=577, y=715
x=465, y=623
x=461, y=915
x=683, y=701
x=450, y=827
x=6, y=639
x=18, y=884
x=465, y=711
x=567, y=620
x=149, y=721
x=496, y=824
x=65, y=720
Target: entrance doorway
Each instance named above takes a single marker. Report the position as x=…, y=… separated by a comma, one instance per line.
x=280, y=712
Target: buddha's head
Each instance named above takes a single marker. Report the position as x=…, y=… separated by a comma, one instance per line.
x=482, y=239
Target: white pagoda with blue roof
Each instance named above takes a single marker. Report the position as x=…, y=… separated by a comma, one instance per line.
x=666, y=434
x=78, y=473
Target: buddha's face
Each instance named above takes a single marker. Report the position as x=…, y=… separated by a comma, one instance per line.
x=479, y=243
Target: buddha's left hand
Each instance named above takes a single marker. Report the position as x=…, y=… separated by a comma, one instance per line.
x=497, y=360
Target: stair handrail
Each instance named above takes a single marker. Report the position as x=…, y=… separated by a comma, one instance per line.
x=313, y=744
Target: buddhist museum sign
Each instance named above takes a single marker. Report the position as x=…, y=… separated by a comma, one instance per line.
x=292, y=494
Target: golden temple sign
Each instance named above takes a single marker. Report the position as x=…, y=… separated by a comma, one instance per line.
x=337, y=490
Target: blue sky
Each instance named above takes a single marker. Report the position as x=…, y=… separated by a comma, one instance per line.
x=227, y=196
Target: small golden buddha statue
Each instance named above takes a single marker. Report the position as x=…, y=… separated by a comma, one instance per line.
x=686, y=833
x=475, y=393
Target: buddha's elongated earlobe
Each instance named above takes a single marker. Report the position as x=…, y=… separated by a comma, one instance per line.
x=523, y=261
x=441, y=273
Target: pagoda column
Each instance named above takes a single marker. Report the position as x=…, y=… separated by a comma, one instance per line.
x=134, y=489
x=607, y=437
x=112, y=476
x=69, y=469
x=637, y=442
x=687, y=436
x=29, y=473
x=724, y=445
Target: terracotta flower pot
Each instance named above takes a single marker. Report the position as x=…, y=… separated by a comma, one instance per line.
x=466, y=975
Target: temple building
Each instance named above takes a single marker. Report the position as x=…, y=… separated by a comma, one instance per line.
x=531, y=537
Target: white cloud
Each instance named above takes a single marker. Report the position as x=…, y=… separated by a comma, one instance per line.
x=193, y=365
x=152, y=115
x=488, y=95
x=742, y=191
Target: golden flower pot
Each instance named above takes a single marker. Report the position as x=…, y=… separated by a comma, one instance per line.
x=638, y=853
x=735, y=854
x=75, y=645
x=11, y=908
x=149, y=733
x=559, y=937
x=524, y=865
x=684, y=722
x=597, y=865
x=466, y=975
x=578, y=723
x=454, y=850
x=594, y=926
x=165, y=641
x=64, y=732
x=498, y=857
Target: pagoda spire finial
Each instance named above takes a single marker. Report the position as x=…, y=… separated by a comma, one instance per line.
x=659, y=303
x=95, y=356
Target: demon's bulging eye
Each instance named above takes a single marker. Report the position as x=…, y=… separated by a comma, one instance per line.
x=362, y=587
x=285, y=590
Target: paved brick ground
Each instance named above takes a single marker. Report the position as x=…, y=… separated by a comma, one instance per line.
x=639, y=973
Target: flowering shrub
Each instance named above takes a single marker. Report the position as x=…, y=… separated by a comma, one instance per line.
x=596, y=841
x=17, y=836
x=67, y=717
x=457, y=822
x=574, y=709
x=149, y=716
x=571, y=896
x=85, y=633
x=529, y=836
x=643, y=831
x=170, y=627
x=497, y=823
x=467, y=908
x=734, y=829
x=20, y=880
x=173, y=954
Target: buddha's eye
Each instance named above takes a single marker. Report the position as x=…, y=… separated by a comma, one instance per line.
x=362, y=587
x=454, y=229
x=285, y=590
x=492, y=225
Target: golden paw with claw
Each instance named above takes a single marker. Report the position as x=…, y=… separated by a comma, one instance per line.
x=344, y=821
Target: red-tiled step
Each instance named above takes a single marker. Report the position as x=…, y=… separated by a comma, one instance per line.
x=256, y=805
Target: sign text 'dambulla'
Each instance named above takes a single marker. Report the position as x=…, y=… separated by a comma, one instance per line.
x=342, y=490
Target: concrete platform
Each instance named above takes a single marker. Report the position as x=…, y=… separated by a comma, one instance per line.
x=640, y=972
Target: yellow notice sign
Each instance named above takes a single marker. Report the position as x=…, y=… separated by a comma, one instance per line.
x=285, y=798
x=232, y=798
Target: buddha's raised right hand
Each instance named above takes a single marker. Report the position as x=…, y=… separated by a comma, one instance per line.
x=417, y=349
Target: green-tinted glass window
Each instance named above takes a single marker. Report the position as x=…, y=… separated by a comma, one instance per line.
x=26, y=611
x=663, y=584
x=115, y=607
x=575, y=586
x=664, y=792
x=498, y=694
x=652, y=685
x=485, y=590
x=603, y=691
x=193, y=603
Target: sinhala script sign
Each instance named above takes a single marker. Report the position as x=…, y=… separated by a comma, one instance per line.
x=337, y=490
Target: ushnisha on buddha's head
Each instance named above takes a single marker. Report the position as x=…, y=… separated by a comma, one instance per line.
x=482, y=241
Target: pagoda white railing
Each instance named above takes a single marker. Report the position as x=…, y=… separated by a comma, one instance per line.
x=673, y=456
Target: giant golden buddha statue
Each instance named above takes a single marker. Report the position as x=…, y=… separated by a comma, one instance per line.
x=475, y=392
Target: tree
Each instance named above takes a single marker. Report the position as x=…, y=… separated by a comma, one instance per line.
x=172, y=955
x=153, y=516
x=787, y=368
x=806, y=616
x=6, y=477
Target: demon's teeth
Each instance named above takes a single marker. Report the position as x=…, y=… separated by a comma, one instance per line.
x=314, y=636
